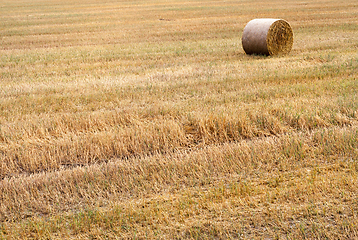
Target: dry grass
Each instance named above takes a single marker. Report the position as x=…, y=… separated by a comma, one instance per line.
x=147, y=120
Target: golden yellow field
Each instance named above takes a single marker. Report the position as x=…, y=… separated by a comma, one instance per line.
x=146, y=120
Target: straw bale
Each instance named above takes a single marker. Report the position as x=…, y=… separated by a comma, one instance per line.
x=267, y=36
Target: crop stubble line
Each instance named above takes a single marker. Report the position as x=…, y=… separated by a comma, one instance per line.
x=122, y=179
x=138, y=138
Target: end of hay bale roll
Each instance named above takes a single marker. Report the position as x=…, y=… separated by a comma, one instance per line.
x=267, y=36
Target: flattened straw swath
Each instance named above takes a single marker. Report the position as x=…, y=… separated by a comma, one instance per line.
x=267, y=36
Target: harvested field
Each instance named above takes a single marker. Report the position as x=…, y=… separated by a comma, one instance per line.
x=137, y=119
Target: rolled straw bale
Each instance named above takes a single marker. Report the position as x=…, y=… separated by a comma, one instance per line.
x=267, y=36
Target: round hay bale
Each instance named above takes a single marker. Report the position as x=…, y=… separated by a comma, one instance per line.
x=267, y=36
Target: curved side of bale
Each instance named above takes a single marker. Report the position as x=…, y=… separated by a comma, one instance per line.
x=267, y=36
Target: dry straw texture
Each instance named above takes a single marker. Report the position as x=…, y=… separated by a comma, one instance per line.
x=267, y=36
x=115, y=124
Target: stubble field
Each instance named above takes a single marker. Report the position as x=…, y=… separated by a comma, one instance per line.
x=145, y=119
